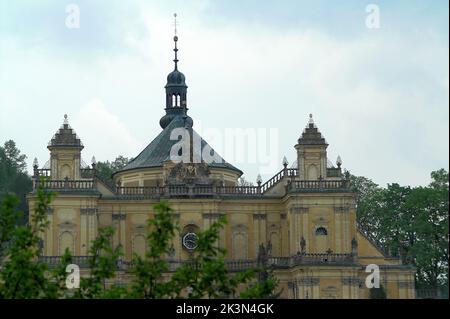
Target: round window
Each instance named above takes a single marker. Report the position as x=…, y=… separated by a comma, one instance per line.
x=190, y=241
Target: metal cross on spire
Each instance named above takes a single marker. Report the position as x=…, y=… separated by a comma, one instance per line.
x=175, y=39
x=175, y=23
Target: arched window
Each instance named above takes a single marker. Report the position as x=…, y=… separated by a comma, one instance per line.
x=66, y=241
x=174, y=100
x=139, y=245
x=312, y=172
x=321, y=231
x=240, y=246
x=240, y=242
x=66, y=171
x=275, y=241
x=178, y=100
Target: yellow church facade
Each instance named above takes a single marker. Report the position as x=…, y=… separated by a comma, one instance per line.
x=302, y=220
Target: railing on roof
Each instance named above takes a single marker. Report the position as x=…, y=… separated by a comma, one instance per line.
x=239, y=190
x=231, y=264
x=288, y=172
x=85, y=172
x=66, y=184
x=55, y=261
x=319, y=185
x=197, y=190
x=311, y=259
x=46, y=172
x=182, y=190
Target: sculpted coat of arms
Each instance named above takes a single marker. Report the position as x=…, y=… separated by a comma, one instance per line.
x=189, y=173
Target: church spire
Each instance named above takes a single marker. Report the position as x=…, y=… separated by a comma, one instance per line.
x=175, y=39
x=176, y=89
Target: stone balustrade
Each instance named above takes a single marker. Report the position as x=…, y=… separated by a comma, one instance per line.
x=231, y=264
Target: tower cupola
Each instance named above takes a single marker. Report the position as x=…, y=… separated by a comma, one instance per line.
x=176, y=90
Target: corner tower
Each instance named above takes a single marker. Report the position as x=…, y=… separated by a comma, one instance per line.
x=311, y=153
x=65, y=153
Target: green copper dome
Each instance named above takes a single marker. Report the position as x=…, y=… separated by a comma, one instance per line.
x=176, y=79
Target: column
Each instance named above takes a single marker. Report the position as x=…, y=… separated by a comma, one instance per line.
x=49, y=235
x=177, y=245
x=306, y=229
x=316, y=288
x=92, y=233
x=123, y=240
x=298, y=230
x=346, y=231
x=337, y=230
x=84, y=245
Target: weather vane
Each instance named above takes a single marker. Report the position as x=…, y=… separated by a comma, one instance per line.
x=175, y=23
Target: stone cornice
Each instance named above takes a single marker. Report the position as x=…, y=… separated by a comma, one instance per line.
x=88, y=211
x=259, y=216
x=118, y=216
x=213, y=215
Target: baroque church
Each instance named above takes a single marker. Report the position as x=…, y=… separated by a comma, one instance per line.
x=302, y=221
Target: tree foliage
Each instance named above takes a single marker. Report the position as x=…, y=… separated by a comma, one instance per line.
x=409, y=222
x=103, y=262
x=106, y=169
x=148, y=271
x=243, y=182
x=203, y=275
x=21, y=275
x=13, y=175
x=377, y=293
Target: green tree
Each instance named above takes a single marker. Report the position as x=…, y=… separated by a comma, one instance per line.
x=377, y=293
x=243, y=182
x=9, y=218
x=148, y=271
x=105, y=172
x=13, y=157
x=106, y=169
x=429, y=250
x=22, y=276
x=411, y=223
x=203, y=275
x=13, y=175
x=103, y=262
x=368, y=200
x=58, y=289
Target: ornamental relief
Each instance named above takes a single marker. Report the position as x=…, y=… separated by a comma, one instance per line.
x=329, y=292
x=88, y=211
x=239, y=228
x=299, y=210
x=139, y=229
x=309, y=281
x=320, y=221
x=342, y=210
x=67, y=225
x=66, y=214
x=189, y=173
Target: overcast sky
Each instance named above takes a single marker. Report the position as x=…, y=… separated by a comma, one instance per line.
x=379, y=96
